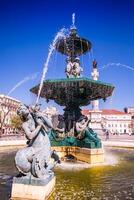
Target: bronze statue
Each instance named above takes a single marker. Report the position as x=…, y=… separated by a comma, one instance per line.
x=35, y=159
x=73, y=69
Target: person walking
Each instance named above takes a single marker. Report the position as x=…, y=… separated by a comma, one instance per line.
x=107, y=134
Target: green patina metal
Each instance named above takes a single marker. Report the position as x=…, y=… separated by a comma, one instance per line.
x=89, y=140
x=74, y=90
x=73, y=93
x=77, y=79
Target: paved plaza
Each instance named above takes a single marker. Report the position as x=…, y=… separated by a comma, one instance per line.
x=118, y=140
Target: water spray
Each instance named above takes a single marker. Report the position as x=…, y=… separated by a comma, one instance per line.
x=117, y=65
x=24, y=80
x=60, y=34
x=73, y=19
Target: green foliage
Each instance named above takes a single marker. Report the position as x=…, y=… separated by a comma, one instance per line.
x=16, y=122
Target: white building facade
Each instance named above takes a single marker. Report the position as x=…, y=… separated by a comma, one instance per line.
x=116, y=122
x=8, y=108
x=130, y=110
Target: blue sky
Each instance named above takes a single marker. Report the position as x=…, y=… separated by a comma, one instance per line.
x=27, y=28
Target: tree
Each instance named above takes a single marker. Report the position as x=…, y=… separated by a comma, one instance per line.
x=16, y=122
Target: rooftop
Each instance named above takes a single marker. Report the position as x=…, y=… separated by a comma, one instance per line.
x=105, y=112
x=8, y=97
x=112, y=112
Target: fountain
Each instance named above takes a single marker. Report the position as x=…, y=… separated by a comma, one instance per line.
x=72, y=137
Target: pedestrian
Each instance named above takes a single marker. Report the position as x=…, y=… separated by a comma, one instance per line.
x=107, y=135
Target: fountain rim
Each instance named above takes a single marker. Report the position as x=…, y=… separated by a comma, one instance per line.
x=50, y=83
x=82, y=42
x=77, y=79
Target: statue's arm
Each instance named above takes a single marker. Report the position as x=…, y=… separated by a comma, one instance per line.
x=61, y=130
x=30, y=134
x=48, y=122
x=80, y=127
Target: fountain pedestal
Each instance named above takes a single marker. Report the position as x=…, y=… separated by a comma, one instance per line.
x=33, y=188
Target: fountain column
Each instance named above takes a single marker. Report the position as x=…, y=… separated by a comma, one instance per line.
x=71, y=115
x=95, y=76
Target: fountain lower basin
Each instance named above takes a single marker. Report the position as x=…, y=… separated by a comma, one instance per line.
x=111, y=181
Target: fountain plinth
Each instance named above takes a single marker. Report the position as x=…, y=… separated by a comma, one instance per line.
x=73, y=92
x=32, y=189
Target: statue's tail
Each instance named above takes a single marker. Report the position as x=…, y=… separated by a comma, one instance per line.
x=22, y=163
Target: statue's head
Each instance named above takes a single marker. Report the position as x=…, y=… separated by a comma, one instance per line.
x=77, y=59
x=23, y=111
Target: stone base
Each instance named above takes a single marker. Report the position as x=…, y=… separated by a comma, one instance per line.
x=91, y=156
x=36, y=189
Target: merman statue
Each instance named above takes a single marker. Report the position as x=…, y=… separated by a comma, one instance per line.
x=35, y=159
x=77, y=69
x=68, y=69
